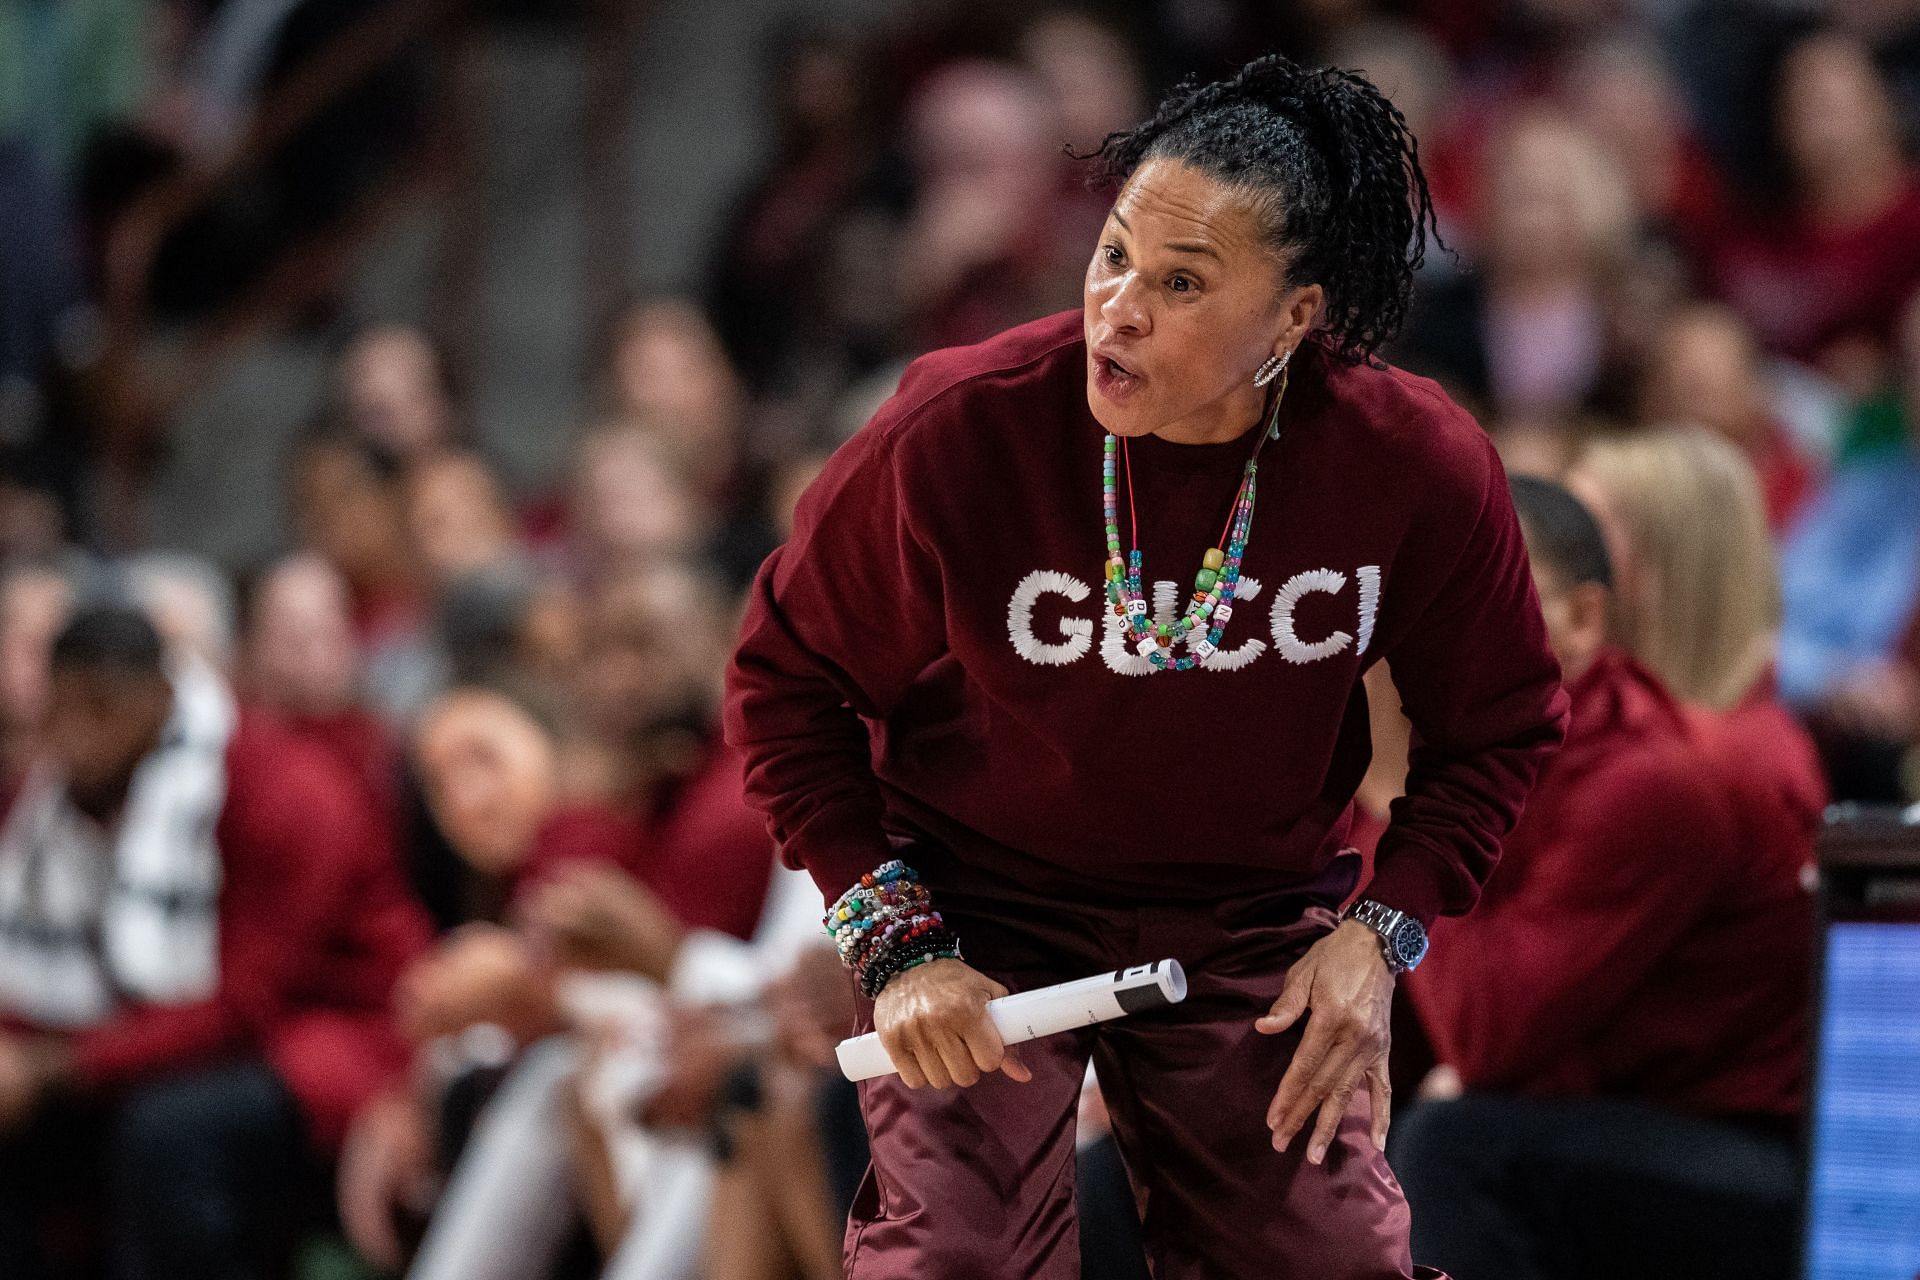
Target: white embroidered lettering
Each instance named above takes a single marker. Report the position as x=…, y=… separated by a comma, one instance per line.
x=1078, y=631
x=1368, y=576
x=1285, y=639
x=1241, y=654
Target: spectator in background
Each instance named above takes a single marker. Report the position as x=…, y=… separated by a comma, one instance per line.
x=1824, y=271
x=983, y=247
x=1417, y=76
x=629, y=506
x=1697, y=601
x=1626, y=1008
x=301, y=661
x=1696, y=597
x=347, y=503
x=35, y=600
x=666, y=854
x=645, y=697
x=668, y=376
x=1620, y=90
x=1704, y=367
x=208, y=1049
x=394, y=389
x=770, y=291
x=489, y=771
x=1089, y=71
x=458, y=519
x=487, y=768
x=1094, y=84
x=667, y=373
x=1533, y=337
x=1850, y=574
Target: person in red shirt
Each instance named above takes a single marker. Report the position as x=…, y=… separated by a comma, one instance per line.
x=1704, y=367
x=643, y=877
x=200, y=927
x=1625, y=1009
x=993, y=733
x=301, y=661
x=1824, y=274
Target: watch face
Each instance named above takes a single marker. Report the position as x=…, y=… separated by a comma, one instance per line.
x=1410, y=944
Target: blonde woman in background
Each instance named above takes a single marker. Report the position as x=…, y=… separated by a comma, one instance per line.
x=1697, y=601
x=1698, y=593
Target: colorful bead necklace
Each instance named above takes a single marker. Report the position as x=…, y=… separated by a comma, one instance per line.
x=1211, y=605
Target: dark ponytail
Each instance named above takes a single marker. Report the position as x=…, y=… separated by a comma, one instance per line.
x=1334, y=172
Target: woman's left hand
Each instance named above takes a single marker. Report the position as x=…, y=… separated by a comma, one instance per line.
x=1345, y=987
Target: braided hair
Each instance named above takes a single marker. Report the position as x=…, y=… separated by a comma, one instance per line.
x=1334, y=173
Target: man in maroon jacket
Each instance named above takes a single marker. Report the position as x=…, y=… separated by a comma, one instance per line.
x=200, y=925
x=1626, y=1008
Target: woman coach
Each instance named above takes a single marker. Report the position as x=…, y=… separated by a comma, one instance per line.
x=1061, y=672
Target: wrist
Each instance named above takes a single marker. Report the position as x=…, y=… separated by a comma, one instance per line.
x=1400, y=939
x=1353, y=936
x=887, y=924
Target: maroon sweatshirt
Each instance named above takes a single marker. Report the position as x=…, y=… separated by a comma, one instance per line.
x=931, y=656
x=1648, y=935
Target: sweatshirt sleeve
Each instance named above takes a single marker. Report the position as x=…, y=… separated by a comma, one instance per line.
x=840, y=622
x=1479, y=682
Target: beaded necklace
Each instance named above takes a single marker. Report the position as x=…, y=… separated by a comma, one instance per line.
x=1211, y=606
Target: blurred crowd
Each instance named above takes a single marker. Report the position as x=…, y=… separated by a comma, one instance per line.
x=507, y=981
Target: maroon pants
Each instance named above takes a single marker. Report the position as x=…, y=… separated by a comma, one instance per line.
x=977, y=1184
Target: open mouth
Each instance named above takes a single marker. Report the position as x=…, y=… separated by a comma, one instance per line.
x=1113, y=379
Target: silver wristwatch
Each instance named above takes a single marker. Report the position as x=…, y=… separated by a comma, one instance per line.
x=1402, y=938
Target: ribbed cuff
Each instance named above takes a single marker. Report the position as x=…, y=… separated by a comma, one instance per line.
x=836, y=851
x=1408, y=878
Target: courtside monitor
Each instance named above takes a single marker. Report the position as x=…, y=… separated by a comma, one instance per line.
x=1863, y=1185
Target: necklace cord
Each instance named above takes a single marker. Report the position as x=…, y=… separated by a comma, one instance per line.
x=1259, y=442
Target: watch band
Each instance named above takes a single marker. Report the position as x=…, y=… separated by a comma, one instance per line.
x=1403, y=939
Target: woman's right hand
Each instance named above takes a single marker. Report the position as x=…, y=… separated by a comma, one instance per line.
x=933, y=1023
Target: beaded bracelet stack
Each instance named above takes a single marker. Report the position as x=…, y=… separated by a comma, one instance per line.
x=886, y=925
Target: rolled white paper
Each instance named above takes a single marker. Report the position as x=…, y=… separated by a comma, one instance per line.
x=1028, y=1015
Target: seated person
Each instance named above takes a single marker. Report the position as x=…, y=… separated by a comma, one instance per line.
x=1696, y=600
x=200, y=928
x=1625, y=1047
x=300, y=659
x=605, y=921
x=664, y=880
